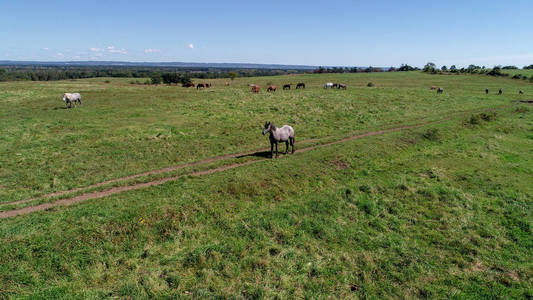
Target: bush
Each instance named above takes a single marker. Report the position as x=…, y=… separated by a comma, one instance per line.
x=370, y=84
x=432, y=134
x=107, y=81
x=474, y=120
x=487, y=116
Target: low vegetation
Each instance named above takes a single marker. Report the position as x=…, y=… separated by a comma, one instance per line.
x=443, y=210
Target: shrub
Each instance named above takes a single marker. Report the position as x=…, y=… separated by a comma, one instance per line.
x=432, y=134
x=107, y=81
x=474, y=120
x=487, y=116
x=370, y=84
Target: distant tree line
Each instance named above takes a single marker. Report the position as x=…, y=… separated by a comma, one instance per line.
x=473, y=69
x=182, y=75
x=363, y=69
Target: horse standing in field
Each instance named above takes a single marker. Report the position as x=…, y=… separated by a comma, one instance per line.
x=335, y=85
x=227, y=83
x=342, y=86
x=271, y=88
x=255, y=89
x=286, y=86
x=188, y=85
x=486, y=91
x=208, y=85
x=200, y=85
x=440, y=90
x=500, y=92
x=70, y=98
x=300, y=85
x=283, y=134
x=328, y=85
x=520, y=92
x=433, y=87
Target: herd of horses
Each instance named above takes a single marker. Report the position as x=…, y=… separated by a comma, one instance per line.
x=273, y=88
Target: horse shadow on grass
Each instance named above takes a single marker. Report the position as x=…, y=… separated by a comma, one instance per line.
x=262, y=154
x=60, y=107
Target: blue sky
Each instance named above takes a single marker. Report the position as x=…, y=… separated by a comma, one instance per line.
x=362, y=33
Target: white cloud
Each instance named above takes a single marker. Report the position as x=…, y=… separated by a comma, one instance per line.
x=191, y=45
x=151, y=50
x=59, y=54
x=46, y=49
x=109, y=49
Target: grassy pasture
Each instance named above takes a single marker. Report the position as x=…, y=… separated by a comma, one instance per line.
x=441, y=211
x=124, y=129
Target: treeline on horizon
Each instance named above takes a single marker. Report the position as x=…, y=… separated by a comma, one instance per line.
x=497, y=71
x=175, y=75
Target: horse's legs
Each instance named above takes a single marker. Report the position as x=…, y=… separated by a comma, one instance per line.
x=271, y=150
x=292, y=144
x=287, y=147
x=276, y=149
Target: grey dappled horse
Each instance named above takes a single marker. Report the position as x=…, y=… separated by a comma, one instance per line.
x=283, y=134
x=70, y=98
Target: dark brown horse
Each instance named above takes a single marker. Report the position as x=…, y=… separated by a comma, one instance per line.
x=200, y=85
x=271, y=88
x=286, y=86
x=300, y=85
x=255, y=89
x=188, y=85
x=433, y=87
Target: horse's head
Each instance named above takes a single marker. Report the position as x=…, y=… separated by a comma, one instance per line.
x=267, y=128
x=65, y=97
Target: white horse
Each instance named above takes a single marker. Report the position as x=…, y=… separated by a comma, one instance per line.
x=328, y=85
x=70, y=98
x=283, y=134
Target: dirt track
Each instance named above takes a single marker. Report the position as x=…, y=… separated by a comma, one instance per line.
x=119, y=189
x=115, y=190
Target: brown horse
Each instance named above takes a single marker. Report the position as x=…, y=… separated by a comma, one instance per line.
x=300, y=85
x=188, y=85
x=200, y=85
x=286, y=86
x=227, y=83
x=433, y=87
x=271, y=88
x=255, y=89
x=342, y=86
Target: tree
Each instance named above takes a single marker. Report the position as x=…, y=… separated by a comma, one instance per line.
x=232, y=75
x=405, y=68
x=429, y=67
x=444, y=69
x=156, y=79
x=453, y=69
x=528, y=67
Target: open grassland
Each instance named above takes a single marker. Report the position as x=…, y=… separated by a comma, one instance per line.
x=124, y=129
x=527, y=73
x=439, y=211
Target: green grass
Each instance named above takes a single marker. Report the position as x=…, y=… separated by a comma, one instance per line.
x=124, y=129
x=441, y=211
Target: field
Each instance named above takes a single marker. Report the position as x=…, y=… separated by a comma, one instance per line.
x=527, y=73
x=440, y=209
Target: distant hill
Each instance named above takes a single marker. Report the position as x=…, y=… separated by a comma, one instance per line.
x=156, y=64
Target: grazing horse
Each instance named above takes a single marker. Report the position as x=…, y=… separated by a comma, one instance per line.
x=188, y=85
x=286, y=86
x=283, y=134
x=342, y=86
x=328, y=85
x=300, y=85
x=200, y=85
x=520, y=92
x=433, y=87
x=500, y=92
x=255, y=89
x=440, y=90
x=271, y=88
x=227, y=83
x=70, y=98
x=487, y=91
x=335, y=85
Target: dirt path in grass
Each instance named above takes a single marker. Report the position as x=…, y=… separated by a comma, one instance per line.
x=119, y=189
